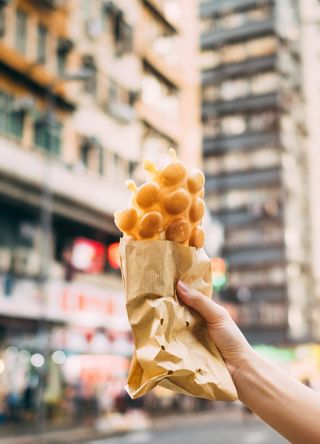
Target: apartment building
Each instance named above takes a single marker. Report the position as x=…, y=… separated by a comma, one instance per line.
x=166, y=43
x=310, y=32
x=254, y=145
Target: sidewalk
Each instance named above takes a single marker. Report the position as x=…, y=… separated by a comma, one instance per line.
x=83, y=434
x=76, y=435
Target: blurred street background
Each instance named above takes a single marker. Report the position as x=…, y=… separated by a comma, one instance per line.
x=87, y=89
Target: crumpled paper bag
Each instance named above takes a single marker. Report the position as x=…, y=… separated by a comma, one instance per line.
x=172, y=346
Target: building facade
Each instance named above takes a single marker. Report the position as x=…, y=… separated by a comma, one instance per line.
x=254, y=142
x=310, y=29
x=87, y=88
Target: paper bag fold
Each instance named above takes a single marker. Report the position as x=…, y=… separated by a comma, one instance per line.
x=172, y=346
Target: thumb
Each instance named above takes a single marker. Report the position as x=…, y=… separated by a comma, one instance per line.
x=211, y=312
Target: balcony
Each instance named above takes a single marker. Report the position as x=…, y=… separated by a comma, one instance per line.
x=123, y=112
x=241, y=217
x=266, y=335
x=255, y=257
x=169, y=128
x=219, y=7
x=215, y=38
x=244, y=179
x=52, y=4
x=270, y=293
x=170, y=74
x=36, y=77
x=246, y=141
x=156, y=7
x=261, y=102
x=76, y=195
x=246, y=68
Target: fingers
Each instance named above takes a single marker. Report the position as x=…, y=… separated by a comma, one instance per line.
x=208, y=309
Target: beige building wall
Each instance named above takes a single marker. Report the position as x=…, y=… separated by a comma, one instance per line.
x=172, y=55
x=310, y=14
x=191, y=147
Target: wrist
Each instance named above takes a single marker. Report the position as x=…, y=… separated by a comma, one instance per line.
x=242, y=367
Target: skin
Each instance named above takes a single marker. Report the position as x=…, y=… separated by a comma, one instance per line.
x=283, y=402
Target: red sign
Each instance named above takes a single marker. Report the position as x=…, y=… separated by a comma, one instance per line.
x=88, y=255
x=113, y=255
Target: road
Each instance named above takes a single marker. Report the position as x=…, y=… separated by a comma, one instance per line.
x=249, y=432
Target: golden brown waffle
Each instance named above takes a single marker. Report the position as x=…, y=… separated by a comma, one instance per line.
x=168, y=206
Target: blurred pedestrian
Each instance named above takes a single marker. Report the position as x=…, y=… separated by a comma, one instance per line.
x=284, y=403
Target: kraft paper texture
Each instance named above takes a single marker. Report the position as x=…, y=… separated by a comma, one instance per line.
x=172, y=346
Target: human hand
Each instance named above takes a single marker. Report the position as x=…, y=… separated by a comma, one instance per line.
x=232, y=345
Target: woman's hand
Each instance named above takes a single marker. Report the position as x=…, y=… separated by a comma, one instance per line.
x=288, y=406
x=231, y=343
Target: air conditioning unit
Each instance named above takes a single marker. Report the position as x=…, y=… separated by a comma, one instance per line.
x=26, y=262
x=53, y=3
x=94, y=28
x=121, y=111
x=5, y=259
x=23, y=104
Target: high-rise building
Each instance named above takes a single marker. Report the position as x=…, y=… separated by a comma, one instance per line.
x=310, y=45
x=254, y=146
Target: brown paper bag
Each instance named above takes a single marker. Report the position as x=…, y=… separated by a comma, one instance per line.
x=172, y=346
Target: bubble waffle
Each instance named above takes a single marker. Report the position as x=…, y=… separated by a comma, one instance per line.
x=169, y=206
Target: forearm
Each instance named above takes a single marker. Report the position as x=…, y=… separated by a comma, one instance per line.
x=284, y=403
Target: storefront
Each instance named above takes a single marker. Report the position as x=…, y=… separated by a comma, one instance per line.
x=64, y=347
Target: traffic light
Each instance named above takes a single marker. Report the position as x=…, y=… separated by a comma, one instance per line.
x=219, y=273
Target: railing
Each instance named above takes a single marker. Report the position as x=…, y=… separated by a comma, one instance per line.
x=260, y=256
x=215, y=38
x=248, y=141
x=247, y=179
x=245, y=68
x=249, y=103
x=217, y=7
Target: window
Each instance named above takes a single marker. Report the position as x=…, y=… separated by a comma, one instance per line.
x=233, y=53
x=209, y=59
x=160, y=94
x=263, y=121
x=11, y=120
x=91, y=154
x=273, y=276
x=120, y=102
x=42, y=44
x=61, y=63
x=21, y=31
x=239, y=160
x=210, y=93
x=124, y=42
x=122, y=32
x=232, y=20
x=264, y=83
x=63, y=49
x=233, y=125
x=211, y=127
x=154, y=145
x=232, y=89
x=259, y=14
x=261, y=47
x=2, y=22
x=47, y=135
x=89, y=65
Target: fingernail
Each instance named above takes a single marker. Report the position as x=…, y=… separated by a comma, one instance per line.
x=183, y=287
